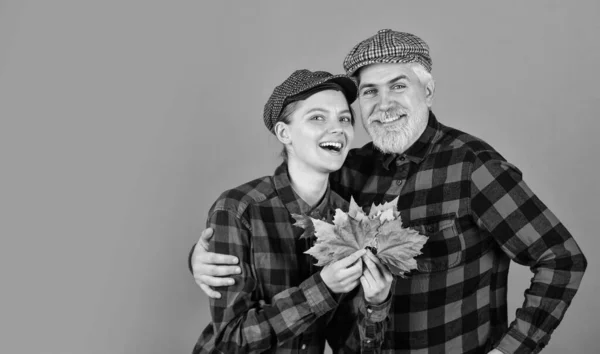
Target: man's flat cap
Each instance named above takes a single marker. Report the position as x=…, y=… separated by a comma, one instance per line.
x=388, y=46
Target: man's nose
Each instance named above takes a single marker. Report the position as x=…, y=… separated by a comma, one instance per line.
x=385, y=102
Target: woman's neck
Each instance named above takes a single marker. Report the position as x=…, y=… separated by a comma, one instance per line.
x=309, y=184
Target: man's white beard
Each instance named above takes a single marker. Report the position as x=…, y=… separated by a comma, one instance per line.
x=396, y=139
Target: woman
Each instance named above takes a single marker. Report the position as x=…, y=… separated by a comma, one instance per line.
x=281, y=302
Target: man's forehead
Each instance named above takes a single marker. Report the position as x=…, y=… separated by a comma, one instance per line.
x=376, y=73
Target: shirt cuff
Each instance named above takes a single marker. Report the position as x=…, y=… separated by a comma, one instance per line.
x=376, y=313
x=317, y=294
x=515, y=342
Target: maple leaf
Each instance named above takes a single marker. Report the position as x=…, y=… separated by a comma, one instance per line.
x=305, y=223
x=355, y=211
x=381, y=231
x=397, y=247
x=388, y=210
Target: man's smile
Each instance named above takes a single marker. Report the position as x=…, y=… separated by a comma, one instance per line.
x=391, y=119
x=387, y=119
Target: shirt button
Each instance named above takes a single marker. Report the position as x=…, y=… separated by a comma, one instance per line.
x=429, y=228
x=399, y=182
x=368, y=341
x=303, y=346
x=384, y=30
x=369, y=310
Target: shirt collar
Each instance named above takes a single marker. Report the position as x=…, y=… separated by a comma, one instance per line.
x=293, y=203
x=417, y=152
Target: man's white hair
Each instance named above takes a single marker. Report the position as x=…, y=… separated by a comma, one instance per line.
x=423, y=75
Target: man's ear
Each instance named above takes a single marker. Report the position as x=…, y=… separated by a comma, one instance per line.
x=282, y=132
x=429, y=92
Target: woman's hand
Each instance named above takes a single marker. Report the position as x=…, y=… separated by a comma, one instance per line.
x=342, y=276
x=376, y=280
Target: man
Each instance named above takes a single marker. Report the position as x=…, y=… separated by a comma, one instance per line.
x=472, y=204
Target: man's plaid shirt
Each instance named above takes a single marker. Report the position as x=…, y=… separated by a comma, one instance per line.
x=279, y=303
x=478, y=214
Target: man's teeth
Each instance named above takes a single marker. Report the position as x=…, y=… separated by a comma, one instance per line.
x=331, y=145
x=389, y=119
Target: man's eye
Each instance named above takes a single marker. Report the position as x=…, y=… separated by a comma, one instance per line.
x=398, y=87
x=346, y=119
x=317, y=117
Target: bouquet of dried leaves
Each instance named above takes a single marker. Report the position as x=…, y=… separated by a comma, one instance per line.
x=381, y=232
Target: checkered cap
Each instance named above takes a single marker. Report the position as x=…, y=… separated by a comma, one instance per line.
x=388, y=46
x=300, y=81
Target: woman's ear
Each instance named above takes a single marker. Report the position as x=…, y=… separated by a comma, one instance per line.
x=282, y=132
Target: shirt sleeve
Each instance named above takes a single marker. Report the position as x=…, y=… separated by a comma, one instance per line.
x=358, y=326
x=189, y=258
x=529, y=233
x=242, y=320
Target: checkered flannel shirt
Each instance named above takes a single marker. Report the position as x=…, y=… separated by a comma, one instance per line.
x=479, y=214
x=279, y=303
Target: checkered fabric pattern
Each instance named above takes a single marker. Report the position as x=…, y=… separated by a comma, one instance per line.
x=479, y=214
x=388, y=46
x=300, y=81
x=280, y=304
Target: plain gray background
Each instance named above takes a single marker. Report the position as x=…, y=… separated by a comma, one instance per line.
x=122, y=121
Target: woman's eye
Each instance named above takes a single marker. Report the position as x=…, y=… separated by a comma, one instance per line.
x=368, y=92
x=346, y=119
x=318, y=118
x=398, y=86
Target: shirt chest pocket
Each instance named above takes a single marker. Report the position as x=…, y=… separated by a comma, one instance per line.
x=445, y=246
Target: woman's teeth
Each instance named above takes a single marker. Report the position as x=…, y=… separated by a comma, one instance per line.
x=331, y=146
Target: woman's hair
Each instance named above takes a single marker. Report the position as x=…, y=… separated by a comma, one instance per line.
x=290, y=104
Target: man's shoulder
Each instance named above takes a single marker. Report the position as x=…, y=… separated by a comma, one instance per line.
x=236, y=200
x=366, y=150
x=465, y=144
x=362, y=157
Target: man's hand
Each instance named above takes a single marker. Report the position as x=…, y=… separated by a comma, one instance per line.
x=210, y=268
x=342, y=276
x=376, y=280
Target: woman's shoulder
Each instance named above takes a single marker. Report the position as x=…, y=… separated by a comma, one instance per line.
x=336, y=201
x=237, y=200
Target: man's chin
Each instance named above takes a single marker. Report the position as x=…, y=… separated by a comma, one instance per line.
x=389, y=148
x=389, y=145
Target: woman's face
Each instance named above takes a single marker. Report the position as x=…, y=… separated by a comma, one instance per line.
x=320, y=132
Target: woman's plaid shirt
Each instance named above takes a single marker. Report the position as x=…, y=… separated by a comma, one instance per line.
x=279, y=303
x=479, y=214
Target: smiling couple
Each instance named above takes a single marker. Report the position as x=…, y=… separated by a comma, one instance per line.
x=473, y=205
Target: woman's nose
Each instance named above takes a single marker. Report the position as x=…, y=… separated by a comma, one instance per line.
x=336, y=127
